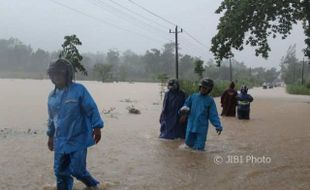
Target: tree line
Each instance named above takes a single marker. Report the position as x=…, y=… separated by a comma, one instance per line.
x=18, y=60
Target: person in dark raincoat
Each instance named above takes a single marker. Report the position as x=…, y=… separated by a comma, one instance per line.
x=170, y=127
x=74, y=124
x=200, y=108
x=244, y=99
x=229, y=101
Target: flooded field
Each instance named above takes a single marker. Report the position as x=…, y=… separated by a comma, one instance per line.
x=271, y=151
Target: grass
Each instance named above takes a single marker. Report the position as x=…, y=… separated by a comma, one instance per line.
x=298, y=89
x=190, y=87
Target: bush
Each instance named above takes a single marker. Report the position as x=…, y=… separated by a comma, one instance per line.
x=190, y=87
x=219, y=88
x=298, y=89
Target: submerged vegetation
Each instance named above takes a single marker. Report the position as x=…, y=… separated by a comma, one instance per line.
x=190, y=87
x=298, y=89
x=18, y=60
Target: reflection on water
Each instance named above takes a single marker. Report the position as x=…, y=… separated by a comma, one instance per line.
x=130, y=155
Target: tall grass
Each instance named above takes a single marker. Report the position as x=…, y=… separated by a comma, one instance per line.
x=190, y=87
x=298, y=89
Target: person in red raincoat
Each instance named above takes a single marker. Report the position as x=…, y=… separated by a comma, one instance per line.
x=229, y=101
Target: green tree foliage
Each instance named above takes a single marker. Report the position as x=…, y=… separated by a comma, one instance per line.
x=199, y=68
x=103, y=71
x=186, y=67
x=152, y=61
x=168, y=58
x=133, y=66
x=21, y=61
x=252, y=22
x=160, y=61
x=113, y=59
x=291, y=66
x=162, y=78
x=271, y=75
x=71, y=53
x=39, y=60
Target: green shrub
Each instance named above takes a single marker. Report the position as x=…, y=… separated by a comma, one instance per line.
x=298, y=89
x=190, y=87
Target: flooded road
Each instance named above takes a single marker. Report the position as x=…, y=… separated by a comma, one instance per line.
x=271, y=151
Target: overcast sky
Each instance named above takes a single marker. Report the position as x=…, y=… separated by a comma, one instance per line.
x=108, y=24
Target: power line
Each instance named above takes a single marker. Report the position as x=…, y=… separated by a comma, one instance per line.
x=193, y=44
x=137, y=14
x=193, y=49
x=166, y=20
x=125, y=29
x=152, y=13
x=127, y=16
x=101, y=20
x=176, y=32
x=191, y=36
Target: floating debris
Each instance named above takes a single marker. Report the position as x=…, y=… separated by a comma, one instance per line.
x=133, y=110
x=128, y=100
x=5, y=132
x=110, y=112
x=31, y=131
x=111, y=109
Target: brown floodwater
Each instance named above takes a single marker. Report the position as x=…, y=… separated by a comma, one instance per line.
x=270, y=151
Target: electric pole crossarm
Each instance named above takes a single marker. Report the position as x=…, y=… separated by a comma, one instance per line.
x=176, y=31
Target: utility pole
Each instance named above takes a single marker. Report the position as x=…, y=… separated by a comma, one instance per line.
x=230, y=70
x=176, y=51
x=302, y=71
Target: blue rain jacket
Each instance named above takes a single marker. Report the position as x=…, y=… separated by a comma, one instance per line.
x=202, y=109
x=72, y=116
x=170, y=128
x=244, y=101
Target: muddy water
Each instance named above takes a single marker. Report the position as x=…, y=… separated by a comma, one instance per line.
x=271, y=151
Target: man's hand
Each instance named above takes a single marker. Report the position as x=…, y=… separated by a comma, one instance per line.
x=182, y=119
x=50, y=143
x=219, y=131
x=97, y=135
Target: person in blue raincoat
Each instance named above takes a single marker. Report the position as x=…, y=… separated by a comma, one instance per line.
x=200, y=108
x=170, y=128
x=74, y=124
x=243, y=103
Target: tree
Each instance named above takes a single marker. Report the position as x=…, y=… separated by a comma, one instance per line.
x=163, y=77
x=258, y=20
x=113, y=57
x=186, y=67
x=199, y=69
x=71, y=53
x=103, y=71
x=168, y=58
x=40, y=60
x=152, y=61
x=271, y=75
x=135, y=66
x=290, y=66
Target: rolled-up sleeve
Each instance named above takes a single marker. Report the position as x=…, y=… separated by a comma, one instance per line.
x=213, y=117
x=89, y=108
x=50, y=124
